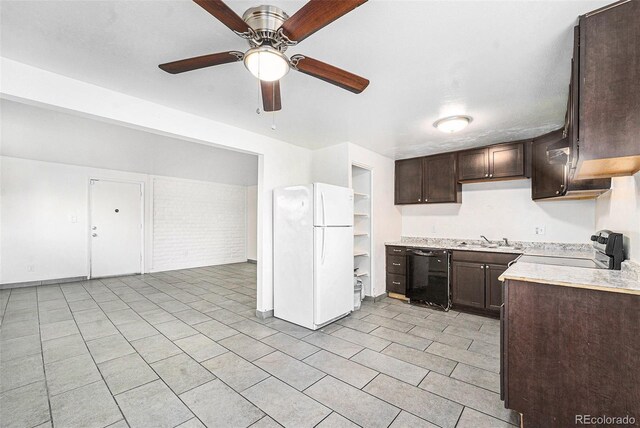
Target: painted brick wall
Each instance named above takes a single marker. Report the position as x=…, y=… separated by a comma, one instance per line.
x=197, y=223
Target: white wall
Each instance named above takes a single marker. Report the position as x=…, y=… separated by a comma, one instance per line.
x=44, y=219
x=619, y=211
x=31, y=132
x=252, y=222
x=331, y=165
x=280, y=163
x=197, y=223
x=501, y=210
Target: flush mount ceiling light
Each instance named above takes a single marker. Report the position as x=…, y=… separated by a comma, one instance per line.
x=452, y=124
x=266, y=63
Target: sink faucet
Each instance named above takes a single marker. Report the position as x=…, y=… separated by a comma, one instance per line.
x=506, y=242
x=485, y=238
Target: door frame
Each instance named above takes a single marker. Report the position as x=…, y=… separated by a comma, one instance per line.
x=142, y=218
x=372, y=247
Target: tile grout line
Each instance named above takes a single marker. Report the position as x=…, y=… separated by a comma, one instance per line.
x=44, y=371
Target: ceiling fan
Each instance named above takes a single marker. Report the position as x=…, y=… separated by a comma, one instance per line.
x=270, y=31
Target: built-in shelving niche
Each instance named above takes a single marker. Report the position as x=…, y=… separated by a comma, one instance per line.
x=361, y=184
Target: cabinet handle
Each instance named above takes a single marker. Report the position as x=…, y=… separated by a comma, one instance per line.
x=397, y=251
x=419, y=199
x=396, y=264
x=425, y=199
x=482, y=267
x=557, y=192
x=395, y=282
x=490, y=175
x=486, y=175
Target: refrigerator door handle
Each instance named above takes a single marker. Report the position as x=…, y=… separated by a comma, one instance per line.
x=323, y=245
x=324, y=213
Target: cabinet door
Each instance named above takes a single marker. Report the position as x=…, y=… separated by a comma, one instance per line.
x=473, y=165
x=506, y=160
x=440, y=183
x=547, y=180
x=609, y=97
x=408, y=181
x=468, y=284
x=493, y=288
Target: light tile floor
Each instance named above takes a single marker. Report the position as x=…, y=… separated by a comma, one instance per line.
x=184, y=348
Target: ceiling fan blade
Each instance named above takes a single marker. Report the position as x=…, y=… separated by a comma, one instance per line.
x=271, y=96
x=224, y=14
x=329, y=73
x=315, y=15
x=203, y=61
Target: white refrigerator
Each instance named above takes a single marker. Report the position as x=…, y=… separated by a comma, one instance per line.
x=313, y=254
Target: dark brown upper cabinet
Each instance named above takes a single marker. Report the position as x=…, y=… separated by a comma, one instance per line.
x=426, y=180
x=548, y=180
x=473, y=165
x=551, y=180
x=439, y=184
x=608, y=136
x=507, y=161
x=408, y=186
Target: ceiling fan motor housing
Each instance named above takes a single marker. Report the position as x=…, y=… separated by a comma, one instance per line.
x=265, y=21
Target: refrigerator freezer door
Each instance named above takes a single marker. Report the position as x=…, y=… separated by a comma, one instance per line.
x=333, y=205
x=333, y=273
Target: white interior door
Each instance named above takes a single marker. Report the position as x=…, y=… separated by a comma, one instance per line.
x=116, y=228
x=333, y=273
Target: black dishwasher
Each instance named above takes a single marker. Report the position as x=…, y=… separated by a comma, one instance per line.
x=428, y=277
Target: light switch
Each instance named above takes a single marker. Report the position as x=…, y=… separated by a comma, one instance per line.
x=74, y=219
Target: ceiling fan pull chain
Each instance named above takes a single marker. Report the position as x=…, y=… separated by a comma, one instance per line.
x=258, y=111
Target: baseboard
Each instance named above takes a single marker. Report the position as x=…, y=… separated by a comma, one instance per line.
x=375, y=299
x=263, y=315
x=255, y=262
x=42, y=282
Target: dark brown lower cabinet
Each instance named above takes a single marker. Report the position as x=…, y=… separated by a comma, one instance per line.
x=468, y=286
x=396, y=284
x=493, y=286
x=396, y=270
x=568, y=352
x=475, y=283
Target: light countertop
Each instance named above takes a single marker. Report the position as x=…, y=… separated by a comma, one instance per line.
x=618, y=281
x=530, y=248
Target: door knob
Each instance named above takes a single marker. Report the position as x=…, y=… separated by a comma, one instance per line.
x=94, y=227
x=94, y=234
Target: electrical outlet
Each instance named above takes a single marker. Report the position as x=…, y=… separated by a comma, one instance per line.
x=30, y=268
x=540, y=230
x=74, y=219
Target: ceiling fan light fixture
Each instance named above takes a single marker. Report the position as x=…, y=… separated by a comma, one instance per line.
x=266, y=63
x=452, y=124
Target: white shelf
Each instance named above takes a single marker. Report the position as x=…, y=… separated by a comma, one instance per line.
x=361, y=195
x=360, y=254
x=359, y=274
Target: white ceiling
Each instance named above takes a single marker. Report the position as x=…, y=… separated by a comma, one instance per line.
x=36, y=133
x=506, y=63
